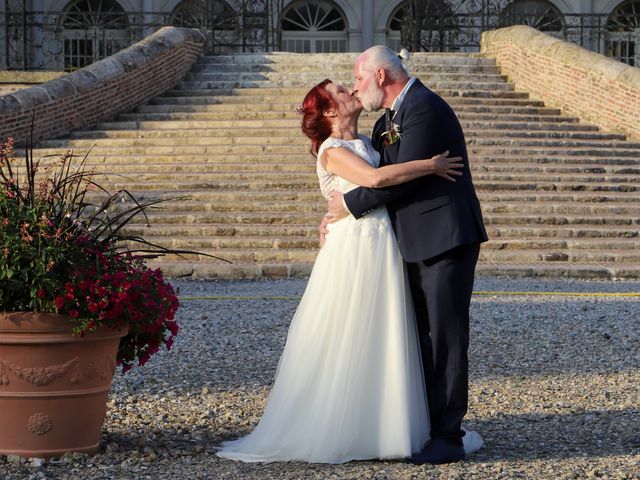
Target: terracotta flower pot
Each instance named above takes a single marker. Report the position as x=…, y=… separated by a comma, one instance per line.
x=53, y=385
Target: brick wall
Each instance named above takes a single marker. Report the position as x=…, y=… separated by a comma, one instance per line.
x=595, y=88
x=100, y=91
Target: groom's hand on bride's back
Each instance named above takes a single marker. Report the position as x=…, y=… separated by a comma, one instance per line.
x=336, y=212
x=324, y=231
x=336, y=206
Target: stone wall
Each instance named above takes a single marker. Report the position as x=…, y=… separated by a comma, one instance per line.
x=103, y=89
x=595, y=88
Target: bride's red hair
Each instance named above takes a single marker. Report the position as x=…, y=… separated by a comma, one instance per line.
x=314, y=124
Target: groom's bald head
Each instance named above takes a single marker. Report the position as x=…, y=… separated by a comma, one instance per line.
x=381, y=56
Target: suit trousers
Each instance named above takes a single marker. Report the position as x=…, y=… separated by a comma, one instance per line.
x=441, y=288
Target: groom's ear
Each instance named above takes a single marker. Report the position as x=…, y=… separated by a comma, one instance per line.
x=380, y=76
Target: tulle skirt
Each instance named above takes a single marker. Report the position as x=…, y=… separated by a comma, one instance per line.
x=349, y=384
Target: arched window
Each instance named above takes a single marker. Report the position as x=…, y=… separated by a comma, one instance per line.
x=93, y=29
x=313, y=27
x=429, y=26
x=623, y=37
x=205, y=14
x=539, y=14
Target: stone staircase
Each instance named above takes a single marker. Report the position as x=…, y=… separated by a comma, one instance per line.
x=560, y=197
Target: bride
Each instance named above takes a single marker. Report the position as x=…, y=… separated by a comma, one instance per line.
x=349, y=384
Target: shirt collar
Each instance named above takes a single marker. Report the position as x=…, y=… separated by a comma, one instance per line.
x=398, y=101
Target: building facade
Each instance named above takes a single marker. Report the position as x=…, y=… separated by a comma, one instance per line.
x=69, y=34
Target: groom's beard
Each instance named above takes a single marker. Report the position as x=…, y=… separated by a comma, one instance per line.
x=371, y=99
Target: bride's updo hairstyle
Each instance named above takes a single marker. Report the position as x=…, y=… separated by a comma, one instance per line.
x=314, y=124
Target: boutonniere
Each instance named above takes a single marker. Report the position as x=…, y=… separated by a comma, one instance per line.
x=392, y=135
x=393, y=132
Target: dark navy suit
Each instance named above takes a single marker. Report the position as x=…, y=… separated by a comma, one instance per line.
x=439, y=228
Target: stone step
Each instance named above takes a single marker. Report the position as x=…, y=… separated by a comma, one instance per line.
x=627, y=182
x=584, y=271
x=416, y=68
x=318, y=206
x=282, y=243
x=312, y=218
x=478, y=146
x=496, y=232
x=287, y=110
x=463, y=110
x=558, y=255
x=222, y=87
x=306, y=255
x=209, y=269
x=249, y=132
x=286, y=101
x=473, y=124
x=552, y=146
x=267, y=135
x=520, y=180
x=329, y=59
x=307, y=167
x=304, y=197
x=549, y=169
x=298, y=93
x=539, y=218
x=568, y=197
x=291, y=77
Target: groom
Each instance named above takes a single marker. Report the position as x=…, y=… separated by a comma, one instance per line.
x=439, y=228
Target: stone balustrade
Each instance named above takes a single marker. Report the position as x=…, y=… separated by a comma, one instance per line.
x=595, y=88
x=103, y=89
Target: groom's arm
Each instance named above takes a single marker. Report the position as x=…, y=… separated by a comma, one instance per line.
x=420, y=139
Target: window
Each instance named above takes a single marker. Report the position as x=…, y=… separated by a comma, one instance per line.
x=426, y=25
x=314, y=27
x=539, y=14
x=93, y=29
x=623, y=33
x=212, y=15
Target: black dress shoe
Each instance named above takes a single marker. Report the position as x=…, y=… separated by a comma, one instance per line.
x=438, y=451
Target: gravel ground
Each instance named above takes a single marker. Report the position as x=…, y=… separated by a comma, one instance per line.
x=555, y=389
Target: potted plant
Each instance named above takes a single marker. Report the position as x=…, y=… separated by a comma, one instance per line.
x=75, y=302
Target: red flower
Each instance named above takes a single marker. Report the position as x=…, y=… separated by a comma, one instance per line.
x=173, y=328
x=59, y=301
x=42, y=293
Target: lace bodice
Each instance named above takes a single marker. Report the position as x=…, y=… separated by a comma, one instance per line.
x=330, y=182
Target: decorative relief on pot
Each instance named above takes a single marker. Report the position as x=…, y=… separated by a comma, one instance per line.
x=41, y=376
x=45, y=375
x=102, y=370
x=39, y=423
x=38, y=376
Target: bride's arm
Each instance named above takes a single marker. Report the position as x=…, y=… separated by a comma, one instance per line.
x=343, y=162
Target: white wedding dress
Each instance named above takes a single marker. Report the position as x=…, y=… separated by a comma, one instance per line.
x=349, y=385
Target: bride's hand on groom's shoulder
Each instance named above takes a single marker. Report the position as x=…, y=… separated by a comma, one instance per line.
x=446, y=167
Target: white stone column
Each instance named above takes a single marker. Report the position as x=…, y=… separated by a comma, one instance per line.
x=367, y=24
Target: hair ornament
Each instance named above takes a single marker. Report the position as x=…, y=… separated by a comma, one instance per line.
x=404, y=55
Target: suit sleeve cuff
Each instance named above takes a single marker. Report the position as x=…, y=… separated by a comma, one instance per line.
x=344, y=204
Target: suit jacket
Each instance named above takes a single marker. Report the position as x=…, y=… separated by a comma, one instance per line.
x=430, y=215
